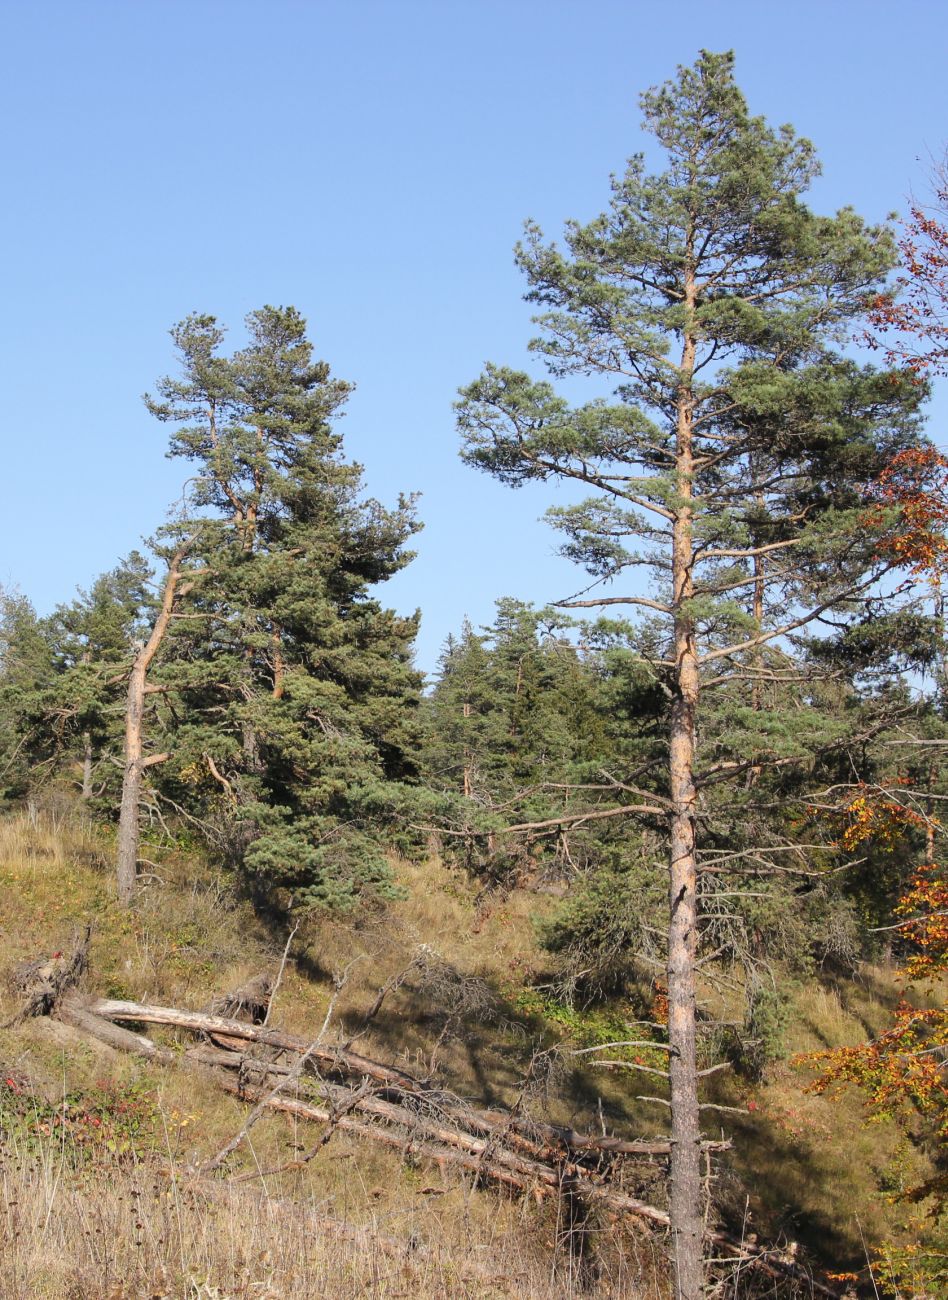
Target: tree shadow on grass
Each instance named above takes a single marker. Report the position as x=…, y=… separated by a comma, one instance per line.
x=798, y=1193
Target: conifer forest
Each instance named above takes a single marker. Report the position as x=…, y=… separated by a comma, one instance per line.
x=608, y=959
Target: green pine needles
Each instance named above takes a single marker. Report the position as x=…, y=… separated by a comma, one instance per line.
x=286, y=689
x=730, y=467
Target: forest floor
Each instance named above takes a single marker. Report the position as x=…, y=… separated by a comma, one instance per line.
x=97, y=1148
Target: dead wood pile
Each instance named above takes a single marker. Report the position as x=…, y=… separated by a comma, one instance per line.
x=390, y=1106
x=341, y=1089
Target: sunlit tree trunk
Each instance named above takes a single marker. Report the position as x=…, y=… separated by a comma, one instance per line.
x=135, y=761
x=86, y=765
x=685, y=1192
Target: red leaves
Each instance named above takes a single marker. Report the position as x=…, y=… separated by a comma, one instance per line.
x=915, y=484
x=920, y=315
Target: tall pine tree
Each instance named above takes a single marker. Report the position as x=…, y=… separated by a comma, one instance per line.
x=729, y=467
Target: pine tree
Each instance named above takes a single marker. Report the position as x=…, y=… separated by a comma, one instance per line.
x=29, y=738
x=290, y=700
x=93, y=639
x=730, y=467
x=461, y=719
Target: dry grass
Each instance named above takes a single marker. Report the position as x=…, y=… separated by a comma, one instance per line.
x=130, y=1229
x=71, y=1228
x=811, y=1168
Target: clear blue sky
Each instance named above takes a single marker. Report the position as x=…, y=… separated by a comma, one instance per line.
x=371, y=163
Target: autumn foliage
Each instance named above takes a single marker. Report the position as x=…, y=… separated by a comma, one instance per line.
x=911, y=322
x=871, y=815
x=902, y=1071
x=926, y=907
x=905, y=1066
x=910, y=510
x=902, y=1067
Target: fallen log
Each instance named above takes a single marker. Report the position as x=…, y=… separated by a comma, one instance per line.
x=479, y=1155
x=556, y=1138
x=73, y=1012
x=530, y=1177
x=525, y=1176
x=203, y=1023
x=485, y=1149
x=399, y=1112
x=46, y=980
x=562, y=1136
x=474, y=1155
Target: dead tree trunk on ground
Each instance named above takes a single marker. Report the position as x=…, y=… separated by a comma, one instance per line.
x=403, y=1113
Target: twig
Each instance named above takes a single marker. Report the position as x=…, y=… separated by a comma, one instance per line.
x=279, y=978
x=268, y=1098
x=365, y=1089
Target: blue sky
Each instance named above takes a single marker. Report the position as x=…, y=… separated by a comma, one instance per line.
x=371, y=163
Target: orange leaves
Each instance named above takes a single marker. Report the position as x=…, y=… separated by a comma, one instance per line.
x=659, y=1008
x=915, y=483
x=869, y=815
x=919, y=318
x=904, y=1066
x=926, y=906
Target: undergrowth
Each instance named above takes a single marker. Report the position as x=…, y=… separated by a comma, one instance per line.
x=97, y=1150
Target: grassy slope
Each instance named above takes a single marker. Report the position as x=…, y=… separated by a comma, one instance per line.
x=817, y=1173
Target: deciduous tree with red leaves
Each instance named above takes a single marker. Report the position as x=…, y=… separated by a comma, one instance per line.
x=904, y=1071
x=911, y=319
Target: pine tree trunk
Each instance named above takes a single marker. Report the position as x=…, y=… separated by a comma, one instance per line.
x=87, y=747
x=126, y=868
x=248, y=735
x=251, y=749
x=685, y=1192
x=757, y=614
x=278, y=665
x=468, y=783
x=757, y=609
x=86, y=765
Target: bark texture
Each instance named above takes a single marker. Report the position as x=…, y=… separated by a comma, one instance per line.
x=687, y=1227
x=86, y=765
x=126, y=867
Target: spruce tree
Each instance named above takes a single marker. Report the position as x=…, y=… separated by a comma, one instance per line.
x=461, y=719
x=729, y=466
x=290, y=698
x=513, y=721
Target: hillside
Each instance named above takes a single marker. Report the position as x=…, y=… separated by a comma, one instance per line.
x=98, y=1148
